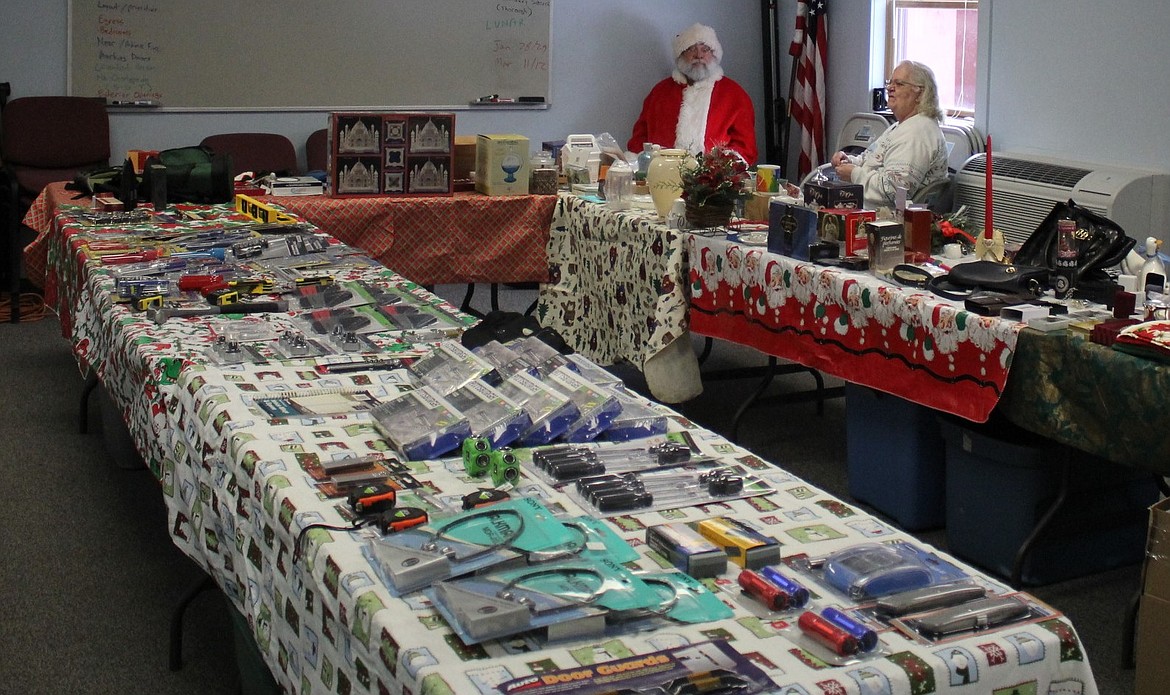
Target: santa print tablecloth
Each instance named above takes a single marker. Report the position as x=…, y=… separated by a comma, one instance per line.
x=906, y=342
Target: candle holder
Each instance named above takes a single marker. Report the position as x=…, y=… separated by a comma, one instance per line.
x=990, y=247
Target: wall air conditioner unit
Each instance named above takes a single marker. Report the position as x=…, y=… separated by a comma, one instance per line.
x=1025, y=188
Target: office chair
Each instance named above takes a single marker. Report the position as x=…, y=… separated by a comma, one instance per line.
x=317, y=151
x=260, y=153
x=53, y=138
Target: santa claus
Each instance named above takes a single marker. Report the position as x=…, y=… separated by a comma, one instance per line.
x=697, y=107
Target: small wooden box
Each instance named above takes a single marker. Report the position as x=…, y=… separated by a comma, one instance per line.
x=398, y=154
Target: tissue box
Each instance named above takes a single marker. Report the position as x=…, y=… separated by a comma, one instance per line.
x=833, y=194
x=501, y=164
x=845, y=226
x=791, y=229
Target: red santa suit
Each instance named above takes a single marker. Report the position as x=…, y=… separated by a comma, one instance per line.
x=713, y=111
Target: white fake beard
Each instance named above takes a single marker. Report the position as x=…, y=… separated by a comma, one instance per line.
x=695, y=72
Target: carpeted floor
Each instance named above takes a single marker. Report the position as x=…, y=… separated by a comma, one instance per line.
x=89, y=577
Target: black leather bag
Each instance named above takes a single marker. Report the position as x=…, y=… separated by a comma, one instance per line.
x=999, y=277
x=1101, y=243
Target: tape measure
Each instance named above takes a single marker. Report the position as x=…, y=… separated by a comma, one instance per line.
x=483, y=498
x=400, y=519
x=372, y=499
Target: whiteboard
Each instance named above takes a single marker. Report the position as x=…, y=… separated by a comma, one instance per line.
x=270, y=54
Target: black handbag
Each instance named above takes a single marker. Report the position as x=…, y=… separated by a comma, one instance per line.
x=1101, y=243
x=989, y=276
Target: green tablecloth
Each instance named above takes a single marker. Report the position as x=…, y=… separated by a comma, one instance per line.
x=1091, y=397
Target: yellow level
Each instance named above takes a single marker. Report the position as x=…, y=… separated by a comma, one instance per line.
x=261, y=212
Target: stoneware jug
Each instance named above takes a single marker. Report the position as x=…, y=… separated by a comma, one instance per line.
x=663, y=179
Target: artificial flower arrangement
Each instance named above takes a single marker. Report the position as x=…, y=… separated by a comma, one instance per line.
x=718, y=177
x=948, y=228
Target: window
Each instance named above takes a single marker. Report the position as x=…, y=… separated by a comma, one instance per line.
x=941, y=34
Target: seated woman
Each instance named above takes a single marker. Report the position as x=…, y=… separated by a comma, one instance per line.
x=911, y=153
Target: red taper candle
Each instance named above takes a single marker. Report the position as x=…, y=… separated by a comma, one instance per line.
x=988, y=226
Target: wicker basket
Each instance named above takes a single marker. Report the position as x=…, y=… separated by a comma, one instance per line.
x=709, y=215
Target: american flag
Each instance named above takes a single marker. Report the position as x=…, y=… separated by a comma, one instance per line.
x=810, y=45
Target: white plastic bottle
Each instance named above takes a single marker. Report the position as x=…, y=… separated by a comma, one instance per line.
x=1152, y=265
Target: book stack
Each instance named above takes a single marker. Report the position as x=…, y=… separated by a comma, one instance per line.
x=295, y=185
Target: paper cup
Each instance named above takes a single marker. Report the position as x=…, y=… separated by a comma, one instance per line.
x=768, y=178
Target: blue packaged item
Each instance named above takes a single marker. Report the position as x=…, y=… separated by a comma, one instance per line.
x=872, y=570
x=637, y=420
x=598, y=407
x=549, y=411
x=491, y=414
x=420, y=424
x=791, y=229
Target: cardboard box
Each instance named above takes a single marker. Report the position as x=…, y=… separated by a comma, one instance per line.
x=391, y=153
x=834, y=194
x=885, y=240
x=791, y=229
x=918, y=222
x=501, y=164
x=1153, y=669
x=756, y=207
x=464, y=164
x=846, y=226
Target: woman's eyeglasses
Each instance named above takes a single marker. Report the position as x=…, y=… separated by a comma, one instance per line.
x=900, y=84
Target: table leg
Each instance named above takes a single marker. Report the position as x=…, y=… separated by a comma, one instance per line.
x=91, y=383
x=1038, y=529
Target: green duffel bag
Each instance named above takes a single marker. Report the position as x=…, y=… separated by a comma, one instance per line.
x=194, y=175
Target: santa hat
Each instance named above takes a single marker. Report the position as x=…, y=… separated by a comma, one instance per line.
x=697, y=33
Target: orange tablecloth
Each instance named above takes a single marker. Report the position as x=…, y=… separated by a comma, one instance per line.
x=467, y=237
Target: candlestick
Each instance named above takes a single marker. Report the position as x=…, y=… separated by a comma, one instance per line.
x=988, y=225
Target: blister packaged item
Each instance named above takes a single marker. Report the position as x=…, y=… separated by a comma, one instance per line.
x=683, y=599
x=638, y=420
x=597, y=407
x=340, y=294
x=506, y=602
x=449, y=367
x=872, y=570
x=491, y=414
x=702, y=667
x=295, y=344
x=558, y=464
x=977, y=616
x=592, y=372
x=505, y=360
x=539, y=354
x=421, y=424
x=596, y=539
x=744, y=545
x=684, y=548
x=682, y=485
x=466, y=542
x=550, y=411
